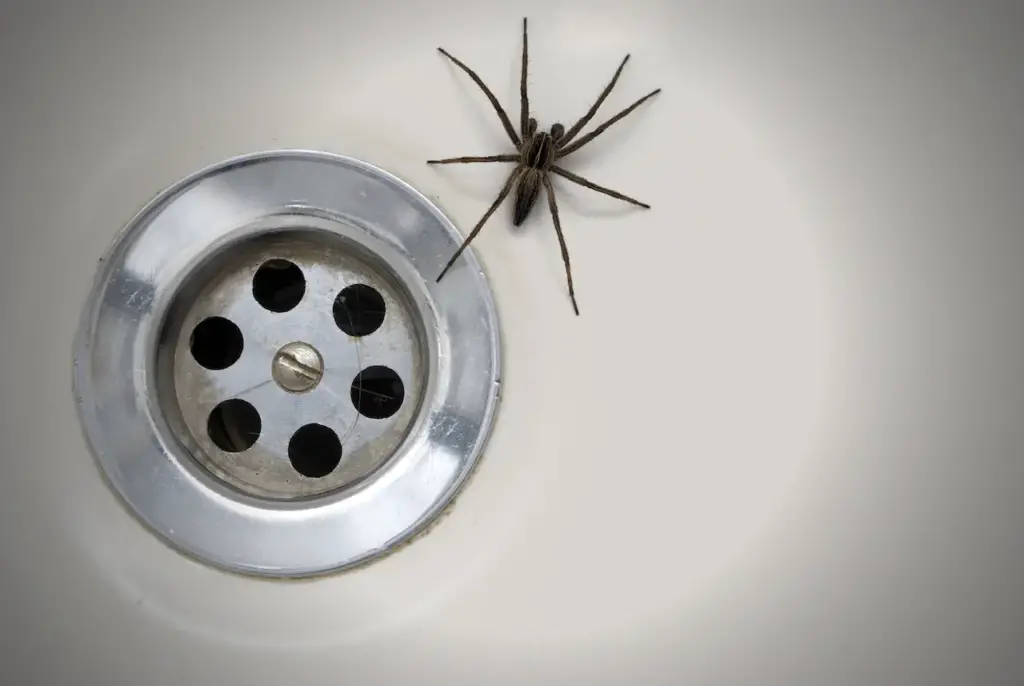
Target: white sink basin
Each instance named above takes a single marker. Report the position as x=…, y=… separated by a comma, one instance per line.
x=782, y=444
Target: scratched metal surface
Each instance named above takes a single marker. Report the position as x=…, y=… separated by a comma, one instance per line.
x=781, y=445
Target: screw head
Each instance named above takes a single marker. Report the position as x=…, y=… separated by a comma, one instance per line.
x=297, y=367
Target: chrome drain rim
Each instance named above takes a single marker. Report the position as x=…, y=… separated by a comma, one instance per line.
x=122, y=394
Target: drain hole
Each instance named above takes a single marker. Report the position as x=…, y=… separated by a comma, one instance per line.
x=359, y=310
x=314, y=451
x=216, y=343
x=234, y=425
x=377, y=392
x=278, y=285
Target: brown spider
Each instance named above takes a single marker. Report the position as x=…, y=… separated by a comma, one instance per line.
x=536, y=155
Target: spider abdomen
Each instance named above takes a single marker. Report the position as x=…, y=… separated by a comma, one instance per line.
x=527, y=191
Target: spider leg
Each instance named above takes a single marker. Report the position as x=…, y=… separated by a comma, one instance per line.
x=594, y=187
x=480, y=224
x=467, y=160
x=561, y=240
x=585, y=119
x=490, y=96
x=524, y=116
x=601, y=129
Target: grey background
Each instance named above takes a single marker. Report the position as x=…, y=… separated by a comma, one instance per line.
x=897, y=130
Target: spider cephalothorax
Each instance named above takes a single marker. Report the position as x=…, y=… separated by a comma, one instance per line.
x=536, y=157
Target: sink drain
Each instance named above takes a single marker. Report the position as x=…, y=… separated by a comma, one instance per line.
x=269, y=375
x=305, y=331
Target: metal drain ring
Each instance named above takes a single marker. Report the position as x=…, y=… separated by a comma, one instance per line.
x=145, y=273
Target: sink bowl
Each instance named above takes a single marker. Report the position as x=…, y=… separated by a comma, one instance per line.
x=782, y=443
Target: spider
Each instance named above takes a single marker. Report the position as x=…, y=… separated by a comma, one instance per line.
x=536, y=157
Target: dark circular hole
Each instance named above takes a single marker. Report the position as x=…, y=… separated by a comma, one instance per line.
x=234, y=425
x=216, y=343
x=314, y=451
x=359, y=310
x=278, y=285
x=377, y=392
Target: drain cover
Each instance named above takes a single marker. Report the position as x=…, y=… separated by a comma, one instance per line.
x=268, y=373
